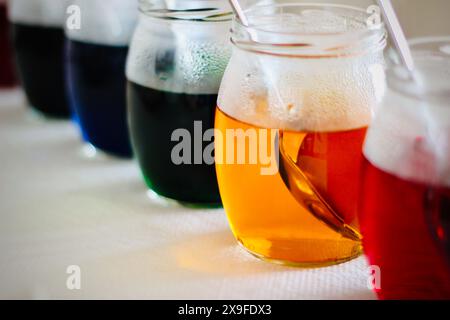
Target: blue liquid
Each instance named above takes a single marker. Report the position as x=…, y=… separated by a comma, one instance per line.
x=97, y=86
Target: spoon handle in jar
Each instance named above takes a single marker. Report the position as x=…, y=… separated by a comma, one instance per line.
x=397, y=34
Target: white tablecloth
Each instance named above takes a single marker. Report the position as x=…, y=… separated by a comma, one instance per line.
x=60, y=208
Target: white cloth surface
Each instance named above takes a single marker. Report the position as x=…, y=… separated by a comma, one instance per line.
x=60, y=208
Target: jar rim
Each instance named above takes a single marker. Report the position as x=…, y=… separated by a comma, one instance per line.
x=302, y=44
x=431, y=50
x=194, y=14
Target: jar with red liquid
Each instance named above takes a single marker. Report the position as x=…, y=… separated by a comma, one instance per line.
x=405, y=198
x=7, y=73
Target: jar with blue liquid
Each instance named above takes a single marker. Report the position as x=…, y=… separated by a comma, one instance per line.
x=97, y=48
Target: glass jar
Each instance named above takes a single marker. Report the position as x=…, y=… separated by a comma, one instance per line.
x=7, y=75
x=405, y=198
x=293, y=109
x=38, y=43
x=96, y=56
x=177, y=58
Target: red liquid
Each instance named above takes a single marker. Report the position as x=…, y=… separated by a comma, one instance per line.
x=439, y=217
x=7, y=72
x=332, y=162
x=405, y=227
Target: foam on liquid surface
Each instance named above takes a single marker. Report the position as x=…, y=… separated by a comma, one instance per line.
x=109, y=22
x=308, y=94
x=410, y=138
x=45, y=13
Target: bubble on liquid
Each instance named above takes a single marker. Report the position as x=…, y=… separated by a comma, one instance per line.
x=45, y=13
x=109, y=22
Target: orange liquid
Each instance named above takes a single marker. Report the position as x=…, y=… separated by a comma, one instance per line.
x=264, y=216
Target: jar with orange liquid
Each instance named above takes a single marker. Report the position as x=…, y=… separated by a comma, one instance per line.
x=293, y=109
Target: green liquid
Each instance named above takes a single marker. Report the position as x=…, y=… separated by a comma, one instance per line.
x=153, y=116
